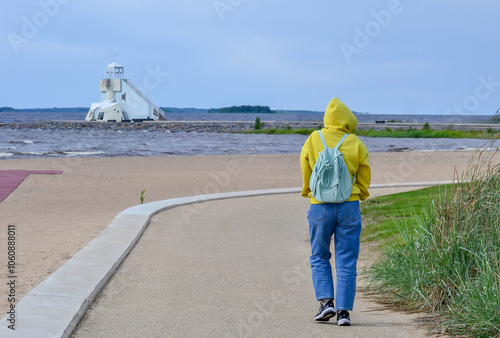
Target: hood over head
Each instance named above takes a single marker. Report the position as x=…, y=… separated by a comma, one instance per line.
x=339, y=117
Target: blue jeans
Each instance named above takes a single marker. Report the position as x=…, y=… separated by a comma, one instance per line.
x=343, y=221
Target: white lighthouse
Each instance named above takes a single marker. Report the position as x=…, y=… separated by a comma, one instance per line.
x=121, y=101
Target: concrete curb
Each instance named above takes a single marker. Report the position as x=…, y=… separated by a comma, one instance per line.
x=55, y=307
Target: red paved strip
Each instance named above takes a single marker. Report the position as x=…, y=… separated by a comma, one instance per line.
x=11, y=179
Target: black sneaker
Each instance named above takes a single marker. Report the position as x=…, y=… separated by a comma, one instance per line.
x=343, y=318
x=326, y=311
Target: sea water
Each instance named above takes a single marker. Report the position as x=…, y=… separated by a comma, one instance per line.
x=9, y=117
x=35, y=143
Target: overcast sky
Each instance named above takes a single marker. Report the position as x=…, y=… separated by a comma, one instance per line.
x=390, y=56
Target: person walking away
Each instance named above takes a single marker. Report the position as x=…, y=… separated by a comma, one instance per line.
x=340, y=220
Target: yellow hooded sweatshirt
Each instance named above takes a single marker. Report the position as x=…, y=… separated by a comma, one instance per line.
x=338, y=120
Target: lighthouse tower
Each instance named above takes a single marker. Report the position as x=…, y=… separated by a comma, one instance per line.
x=121, y=101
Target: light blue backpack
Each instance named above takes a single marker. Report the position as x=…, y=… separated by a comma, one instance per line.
x=330, y=180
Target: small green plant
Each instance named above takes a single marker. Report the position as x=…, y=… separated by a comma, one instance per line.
x=426, y=126
x=388, y=129
x=143, y=195
x=258, y=124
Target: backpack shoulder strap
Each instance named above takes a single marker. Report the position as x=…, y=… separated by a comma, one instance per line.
x=322, y=139
x=341, y=140
x=337, y=147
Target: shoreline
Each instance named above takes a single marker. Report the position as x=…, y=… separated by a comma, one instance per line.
x=57, y=215
x=232, y=126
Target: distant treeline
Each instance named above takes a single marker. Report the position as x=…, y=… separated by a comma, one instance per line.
x=242, y=109
x=45, y=110
x=234, y=109
x=184, y=110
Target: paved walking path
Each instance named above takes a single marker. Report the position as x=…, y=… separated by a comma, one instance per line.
x=228, y=264
x=230, y=268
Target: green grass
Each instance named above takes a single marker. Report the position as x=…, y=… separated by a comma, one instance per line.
x=379, y=214
x=444, y=257
x=408, y=133
x=280, y=131
x=428, y=133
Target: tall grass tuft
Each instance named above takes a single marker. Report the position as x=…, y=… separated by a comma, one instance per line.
x=449, y=260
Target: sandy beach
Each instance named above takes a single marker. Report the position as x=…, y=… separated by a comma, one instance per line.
x=57, y=215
